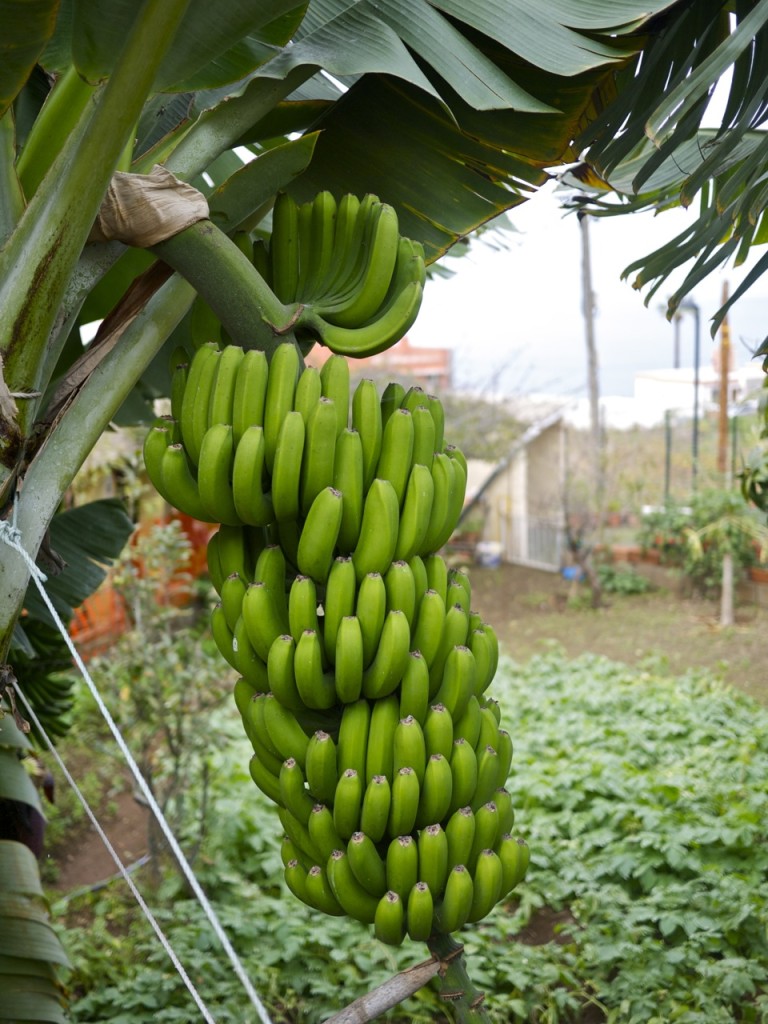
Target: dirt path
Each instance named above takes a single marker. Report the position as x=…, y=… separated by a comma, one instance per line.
x=531, y=609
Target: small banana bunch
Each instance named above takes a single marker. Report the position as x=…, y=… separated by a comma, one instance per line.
x=359, y=282
x=363, y=670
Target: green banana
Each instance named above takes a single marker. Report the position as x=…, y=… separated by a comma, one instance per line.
x=453, y=911
x=252, y=504
x=388, y=666
x=286, y=467
x=289, y=851
x=505, y=751
x=295, y=874
x=458, y=683
x=487, y=879
x=340, y=600
x=437, y=575
x=234, y=552
x=419, y=571
x=487, y=777
x=319, y=452
x=352, y=744
x=416, y=513
x=348, y=661
x=423, y=438
x=265, y=619
x=493, y=706
x=250, y=393
x=293, y=794
x=514, y=855
x=435, y=407
x=222, y=635
x=366, y=420
x=268, y=783
x=460, y=834
x=492, y=641
x=464, y=772
x=428, y=629
x=420, y=912
x=270, y=569
x=402, y=865
x=481, y=649
x=456, y=593
x=381, y=733
x=433, y=858
x=414, y=688
x=343, y=254
x=302, y=606
x=486, y=831
x=320, y=256
x=258, y=725
x=348, y=478
x=157, y=440
x=444, y=479
x=409, y=750
x=391, y=323
x=317, y=542
x=391, y=399
x=299, y=834
x=488, y=735
x=468, y=726
x=214, y=475
x=350, y=241
x=221, y=401
x=454, y=635
x=371, y=611
x=404, y=804
x=317, y=690
x=438, y=731
x=284, y=247
x=179, y=375
x=377, y=271
x=323, y=832
x=455, y=504
x=285, y=733
x=376, y=545
x=396, y=452
x=320, y=894
x=374, y=813
x=401, y=589
x=347, y=803
x=366, y=864
x=281, y=673
x=213, y=562
x=308, y=391
x=436, y=791
x=503, y=800
x=306, y=249
x=194, y=404
x=278, y=402
x=389, y=919
x=247, y=661
x=356, y=901
x=334, y=375
x=179, y=484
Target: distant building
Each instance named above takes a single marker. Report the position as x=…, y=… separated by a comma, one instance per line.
x=432, y=368
x=673, y=389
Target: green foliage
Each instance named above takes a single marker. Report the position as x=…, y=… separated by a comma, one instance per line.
x=721, y=519
x=643, y=799
x=621, y=579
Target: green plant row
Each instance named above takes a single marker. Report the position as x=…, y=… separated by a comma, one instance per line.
x=644, y=797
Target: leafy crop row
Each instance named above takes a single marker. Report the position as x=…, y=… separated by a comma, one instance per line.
x=644, y=799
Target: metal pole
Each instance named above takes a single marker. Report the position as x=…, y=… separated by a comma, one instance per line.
x=667, y=453
x=695, y=440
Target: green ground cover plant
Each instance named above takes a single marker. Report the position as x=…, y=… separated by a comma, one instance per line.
x=644, y=800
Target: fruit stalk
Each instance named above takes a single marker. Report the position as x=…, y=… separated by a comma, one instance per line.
x=392, y=992
x=453, y=984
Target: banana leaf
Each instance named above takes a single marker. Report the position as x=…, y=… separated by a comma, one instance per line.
x=18, y=870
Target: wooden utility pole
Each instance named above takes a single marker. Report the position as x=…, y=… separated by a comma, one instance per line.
x=725, y=366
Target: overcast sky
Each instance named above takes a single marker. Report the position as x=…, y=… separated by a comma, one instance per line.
x=514, y=321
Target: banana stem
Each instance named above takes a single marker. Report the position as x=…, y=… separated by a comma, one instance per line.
x=237, y=293
x=454, y=985
x=385, y=996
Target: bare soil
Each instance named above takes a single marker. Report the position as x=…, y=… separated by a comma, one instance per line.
x=531, y=610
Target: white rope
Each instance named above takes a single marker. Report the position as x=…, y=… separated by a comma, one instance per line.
x=12, y=537
x=164, y=942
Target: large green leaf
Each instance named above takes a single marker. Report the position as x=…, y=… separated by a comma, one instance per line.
x=26, y=27
x=208, y=32
x=18, y=870
x=15, y=784
x=88, y=538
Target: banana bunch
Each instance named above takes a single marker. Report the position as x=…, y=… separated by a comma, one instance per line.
x=362, y=669
x=359, y=282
